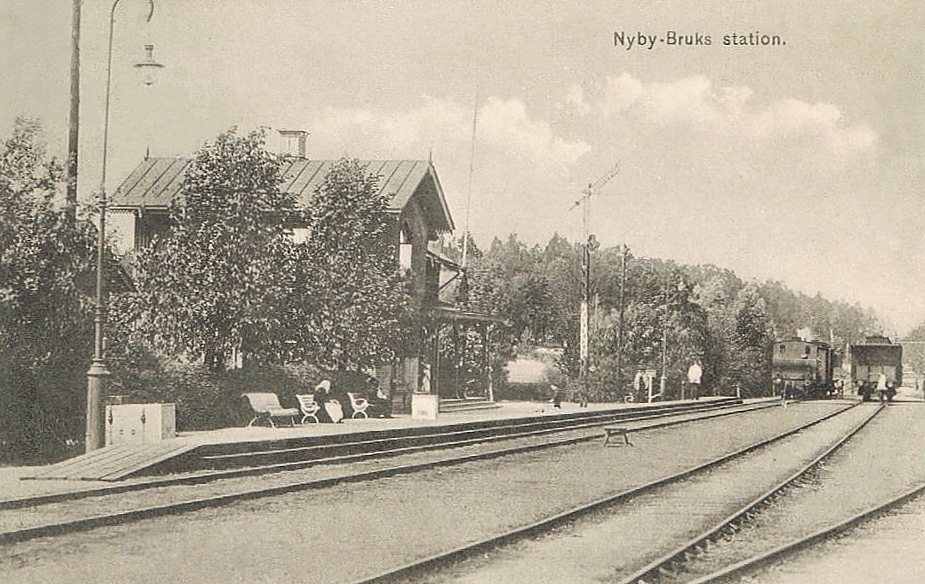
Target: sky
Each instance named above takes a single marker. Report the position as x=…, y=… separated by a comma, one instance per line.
x=800, y=160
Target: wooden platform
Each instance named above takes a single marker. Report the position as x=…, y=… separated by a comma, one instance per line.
x=112, y=463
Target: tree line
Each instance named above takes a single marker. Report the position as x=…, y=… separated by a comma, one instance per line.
x=646, y=310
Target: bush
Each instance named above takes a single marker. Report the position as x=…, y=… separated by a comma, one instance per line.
x=524, y=392
x=208, y=401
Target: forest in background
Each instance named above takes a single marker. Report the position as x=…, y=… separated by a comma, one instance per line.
x=702, y=312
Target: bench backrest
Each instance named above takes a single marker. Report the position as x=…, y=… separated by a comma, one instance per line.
x=263, y=402
x=307, y=403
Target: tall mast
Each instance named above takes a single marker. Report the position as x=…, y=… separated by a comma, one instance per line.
x=475, y=119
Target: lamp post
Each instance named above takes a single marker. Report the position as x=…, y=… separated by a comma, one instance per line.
x=98, y=374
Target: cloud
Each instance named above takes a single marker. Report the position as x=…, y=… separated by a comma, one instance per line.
x=505, y=128
x=522, y=165
x=575, y=101
x=817, y=131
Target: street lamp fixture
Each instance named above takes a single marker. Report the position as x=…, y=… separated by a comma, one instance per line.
x=148, y=68
x=98, y=374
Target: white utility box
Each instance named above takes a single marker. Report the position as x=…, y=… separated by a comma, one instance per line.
x=140, y=423
x=424, y=406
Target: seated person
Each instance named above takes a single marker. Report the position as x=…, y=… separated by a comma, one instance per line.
x=380, y=405
x=331, y=407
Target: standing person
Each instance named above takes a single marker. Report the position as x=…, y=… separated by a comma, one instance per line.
x=556, y=396
x=694, y=373
x=779, y=389
x=881, y=387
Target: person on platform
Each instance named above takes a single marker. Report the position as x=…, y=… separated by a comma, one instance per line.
x=779, y=388
x=882, y=387
x=694, y=373
x=331, y=410
x=556, y=396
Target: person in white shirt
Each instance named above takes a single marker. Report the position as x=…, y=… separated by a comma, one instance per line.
x=694, y=373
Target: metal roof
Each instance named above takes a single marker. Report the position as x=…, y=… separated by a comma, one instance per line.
x=156, y=182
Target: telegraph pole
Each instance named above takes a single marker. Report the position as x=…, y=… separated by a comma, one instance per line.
x=584, y=324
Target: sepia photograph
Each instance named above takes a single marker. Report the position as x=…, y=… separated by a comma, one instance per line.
x=462, y=291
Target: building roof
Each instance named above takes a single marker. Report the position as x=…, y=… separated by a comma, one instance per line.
x=156, y=182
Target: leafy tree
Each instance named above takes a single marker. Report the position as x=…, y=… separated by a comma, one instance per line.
x=914, y=353
x=352, y=304
x=750, y=365
x=213, y=285
x=47, y=267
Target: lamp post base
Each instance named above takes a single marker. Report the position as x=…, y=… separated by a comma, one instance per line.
x=97, y=389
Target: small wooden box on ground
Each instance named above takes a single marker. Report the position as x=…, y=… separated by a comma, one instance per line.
x=424, y=406
x=140, y=423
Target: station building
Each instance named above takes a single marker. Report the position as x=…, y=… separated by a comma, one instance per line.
x=427, y=380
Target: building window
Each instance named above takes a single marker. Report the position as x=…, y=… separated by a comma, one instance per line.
x=405, y=247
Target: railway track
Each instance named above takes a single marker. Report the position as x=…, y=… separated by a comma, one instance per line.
x=488, y=556
x=62, y=513
x=882, y=544
x=830, y=495
x=753, y=563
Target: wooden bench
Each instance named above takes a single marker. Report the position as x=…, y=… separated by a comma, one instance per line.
x=610, y=431
x=266, y=407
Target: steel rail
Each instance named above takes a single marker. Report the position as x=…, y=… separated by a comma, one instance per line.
x=678, y=555
x=210, y=476
x=758, y=560
x=544, y=525
x=69, y=526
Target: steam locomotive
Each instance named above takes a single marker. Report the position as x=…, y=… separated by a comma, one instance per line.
x=805, y=368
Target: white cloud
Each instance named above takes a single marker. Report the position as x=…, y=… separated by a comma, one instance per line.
x=519, y=157
x=505, y=125
x=505, y=128
x=728, y=112
x=575, y=101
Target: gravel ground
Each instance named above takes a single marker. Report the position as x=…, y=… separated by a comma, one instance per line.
x=888, y=549
x=343, y=533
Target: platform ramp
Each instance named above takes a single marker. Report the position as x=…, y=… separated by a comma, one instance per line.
x=111, y=463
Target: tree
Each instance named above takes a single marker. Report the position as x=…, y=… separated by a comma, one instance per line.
x=215, y=284
x=47, y=266
x=750, y=364
x=352, y=305
x=914, y=353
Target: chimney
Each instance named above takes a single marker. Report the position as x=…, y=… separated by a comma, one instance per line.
x=292, y=142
